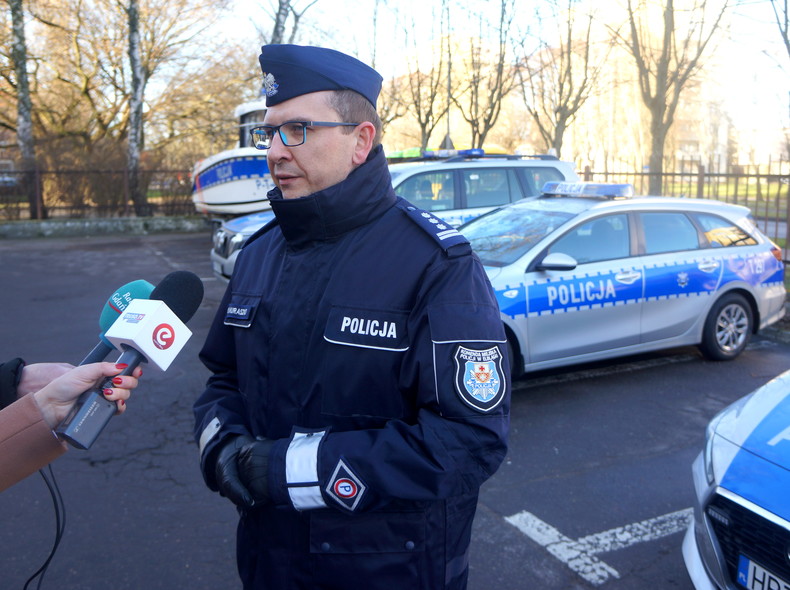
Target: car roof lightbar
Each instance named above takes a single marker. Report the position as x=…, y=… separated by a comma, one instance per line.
x=601, y=190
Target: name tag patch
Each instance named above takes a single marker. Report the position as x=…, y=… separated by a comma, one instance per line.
x=478, y=377
x=385, y=330
x=239, y=315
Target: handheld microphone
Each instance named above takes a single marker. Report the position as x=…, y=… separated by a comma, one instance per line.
x=115, y=305
x=147, y=330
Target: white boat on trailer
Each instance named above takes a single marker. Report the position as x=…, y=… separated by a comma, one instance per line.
x=235, y=181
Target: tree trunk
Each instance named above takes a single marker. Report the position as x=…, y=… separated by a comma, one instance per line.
x=24, y=126
x=135, y=147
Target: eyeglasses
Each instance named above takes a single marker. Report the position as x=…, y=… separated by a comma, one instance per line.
x=292, y=133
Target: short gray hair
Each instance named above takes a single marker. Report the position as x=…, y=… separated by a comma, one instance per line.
x=355, y=108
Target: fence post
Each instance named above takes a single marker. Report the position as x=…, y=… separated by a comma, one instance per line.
x=587, y=173
x=700, y=181
x=787, y=218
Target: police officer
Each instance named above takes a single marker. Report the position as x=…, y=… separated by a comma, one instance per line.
x=359, y=393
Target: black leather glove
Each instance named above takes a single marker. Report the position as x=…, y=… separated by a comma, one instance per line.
x=226, y=472
x=254, y=469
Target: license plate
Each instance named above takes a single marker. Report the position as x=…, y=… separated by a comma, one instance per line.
x=756, y=577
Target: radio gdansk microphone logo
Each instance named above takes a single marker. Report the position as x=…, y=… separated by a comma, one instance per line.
x=164, y=336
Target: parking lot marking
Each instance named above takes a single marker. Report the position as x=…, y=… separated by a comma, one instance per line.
x=580, y=555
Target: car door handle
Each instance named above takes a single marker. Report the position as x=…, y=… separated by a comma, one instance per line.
x=629, y=277
x=708, y=266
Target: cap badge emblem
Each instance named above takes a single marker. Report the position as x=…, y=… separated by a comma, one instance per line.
x=269, y=85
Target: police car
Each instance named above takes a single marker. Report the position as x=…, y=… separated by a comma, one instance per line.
x=587, y=272
x=740, y=535
x=456, y=186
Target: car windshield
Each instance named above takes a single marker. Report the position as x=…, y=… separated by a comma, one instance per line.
x=503, y=236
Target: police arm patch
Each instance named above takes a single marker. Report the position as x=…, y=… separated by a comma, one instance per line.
x=479, y=377
x=345, y=487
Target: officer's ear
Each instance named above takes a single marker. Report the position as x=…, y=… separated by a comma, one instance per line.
x=365, y=133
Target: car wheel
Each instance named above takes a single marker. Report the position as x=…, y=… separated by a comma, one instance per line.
x=728, y=328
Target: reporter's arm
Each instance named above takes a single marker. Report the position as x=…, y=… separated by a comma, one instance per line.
x=27, y=442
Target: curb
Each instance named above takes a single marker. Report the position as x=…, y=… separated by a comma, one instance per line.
x=66, y=228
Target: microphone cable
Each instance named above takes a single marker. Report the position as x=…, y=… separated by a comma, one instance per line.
x=60, y=523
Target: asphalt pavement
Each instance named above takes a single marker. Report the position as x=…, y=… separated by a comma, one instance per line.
x=593, y=449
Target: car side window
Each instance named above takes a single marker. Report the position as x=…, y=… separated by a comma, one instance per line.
x=668, y=232
x=721, y=233
x=535, y=178
x=603, y=238
x=432, y=191
x=488, y=187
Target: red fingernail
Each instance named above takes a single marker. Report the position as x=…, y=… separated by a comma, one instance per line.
x=117, y=380
x=107, y=392
x=121, y=366
x=123, y=403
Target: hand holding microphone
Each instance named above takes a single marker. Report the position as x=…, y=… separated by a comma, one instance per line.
x=58, y=396
x=146, y=330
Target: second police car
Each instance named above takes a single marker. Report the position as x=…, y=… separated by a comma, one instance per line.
x=455, y=185
x=587, y=272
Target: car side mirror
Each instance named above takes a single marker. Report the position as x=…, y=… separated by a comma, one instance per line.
x=557, y=261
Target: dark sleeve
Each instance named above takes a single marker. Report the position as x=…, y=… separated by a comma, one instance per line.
x=220, y=410
x=10, y=374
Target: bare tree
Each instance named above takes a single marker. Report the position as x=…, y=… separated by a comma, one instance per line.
x=558, y=78
x=24, y=125
x=135, y=141
x=285, y=10
x=489, y=77
x=780, y=8
x=666, y=64
x=424, y=93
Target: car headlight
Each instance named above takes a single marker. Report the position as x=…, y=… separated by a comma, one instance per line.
x=236, y=242
x=731, y=412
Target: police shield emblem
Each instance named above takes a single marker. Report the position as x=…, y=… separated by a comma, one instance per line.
x=478, y=377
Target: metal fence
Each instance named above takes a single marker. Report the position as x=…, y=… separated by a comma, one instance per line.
x=104, y=193
x=92, y=194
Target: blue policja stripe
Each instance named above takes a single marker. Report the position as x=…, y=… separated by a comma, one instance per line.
x=234, y=169
x=582, y=291
x=680, y=280
x=512, y=301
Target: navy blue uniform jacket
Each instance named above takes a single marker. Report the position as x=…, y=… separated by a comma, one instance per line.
x=364, y=336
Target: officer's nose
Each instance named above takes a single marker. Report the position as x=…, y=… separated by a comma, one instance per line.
x=278, y=151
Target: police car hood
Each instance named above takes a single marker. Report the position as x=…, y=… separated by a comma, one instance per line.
x=249, y=224
x=753, y=439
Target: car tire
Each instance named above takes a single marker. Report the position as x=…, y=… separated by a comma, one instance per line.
x=728, y=328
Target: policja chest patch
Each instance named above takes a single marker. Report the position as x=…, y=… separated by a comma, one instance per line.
x=478, y=377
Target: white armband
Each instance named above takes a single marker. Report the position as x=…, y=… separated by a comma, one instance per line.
x=301, y=471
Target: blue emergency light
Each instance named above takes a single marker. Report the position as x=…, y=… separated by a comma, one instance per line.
x=601, y=190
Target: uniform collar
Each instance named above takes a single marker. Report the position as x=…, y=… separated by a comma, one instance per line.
x=363, y=196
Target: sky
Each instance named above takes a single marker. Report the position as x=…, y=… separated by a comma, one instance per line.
x=753, y=71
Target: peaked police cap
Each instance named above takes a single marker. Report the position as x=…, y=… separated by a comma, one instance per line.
x=293, y=70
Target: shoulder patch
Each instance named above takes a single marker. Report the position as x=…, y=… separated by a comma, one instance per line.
x=449, y=238
x=479, y=377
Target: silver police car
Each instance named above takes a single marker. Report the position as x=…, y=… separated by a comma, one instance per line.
x=456, y=186
x=587, y=272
